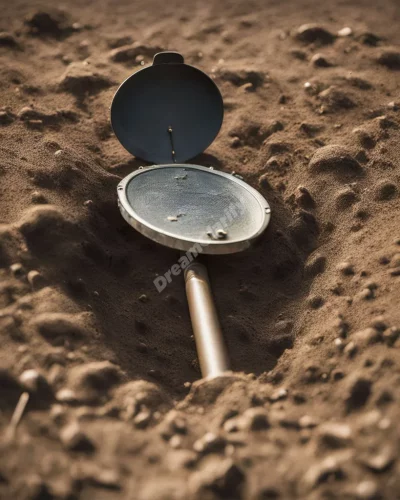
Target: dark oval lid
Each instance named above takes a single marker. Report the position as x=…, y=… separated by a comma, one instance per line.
x=167, y=112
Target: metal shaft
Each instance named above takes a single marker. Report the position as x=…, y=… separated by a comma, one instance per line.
x=210, y=343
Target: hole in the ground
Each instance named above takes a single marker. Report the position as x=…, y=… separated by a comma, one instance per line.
x=110, y=267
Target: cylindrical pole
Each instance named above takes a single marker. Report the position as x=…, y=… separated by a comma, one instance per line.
x=210, y=343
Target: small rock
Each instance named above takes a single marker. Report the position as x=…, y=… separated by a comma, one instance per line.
x=320, y=61
x=393, y=106
x=80, y=80
x=233, y=425
x=74, y=439
x=335, y=435
x=385, y=123
x=278, y=395
x=36, y=280
x=367, y=490
x=336, y=159
x=304, y=229
x=310, y=129
x=256, y=419
x=142, y=419
x=175, y=441
x=17, y=269
x=38, y=198
x=209, y=443
x=235, y=142
x=66, y=396
x=379, y=323
x=335, y=99
x=367, y=336
x=307, y=422
x=345, y=268
x=345, y=31
x=35, y=383
x=313, y=33
x=365, y=294
x=350, y=349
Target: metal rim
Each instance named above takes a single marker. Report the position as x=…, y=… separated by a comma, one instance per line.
x=180, y=243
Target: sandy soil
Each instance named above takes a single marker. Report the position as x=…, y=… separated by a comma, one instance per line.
x=311, y=313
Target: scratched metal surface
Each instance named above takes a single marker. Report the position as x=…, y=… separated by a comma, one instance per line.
x=195, y=204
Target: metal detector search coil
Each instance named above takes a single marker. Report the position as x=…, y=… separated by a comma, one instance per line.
x=182, y=205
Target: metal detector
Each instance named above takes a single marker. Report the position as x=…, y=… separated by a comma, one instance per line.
x=168, y=113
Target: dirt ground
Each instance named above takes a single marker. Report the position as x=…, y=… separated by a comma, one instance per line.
x=311, y=313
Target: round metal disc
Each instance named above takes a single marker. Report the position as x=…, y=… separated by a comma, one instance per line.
x=183, y=205
x=167, y=95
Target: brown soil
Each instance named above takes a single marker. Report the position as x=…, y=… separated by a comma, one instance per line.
x=310, y=313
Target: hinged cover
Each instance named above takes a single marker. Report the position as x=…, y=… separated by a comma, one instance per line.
x=167, y=112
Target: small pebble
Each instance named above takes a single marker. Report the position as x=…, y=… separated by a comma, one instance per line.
x=345, y=31
x=345, y=268
x=335, y=159
x=256, y=419
x=314, y=33
x=320, y=61
x=36, y=280
x=278, y=395
x=142, y=419
x=367, y=490
x=73, y=438
x=209, y=443
x=335, y=435
x=35, y=383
